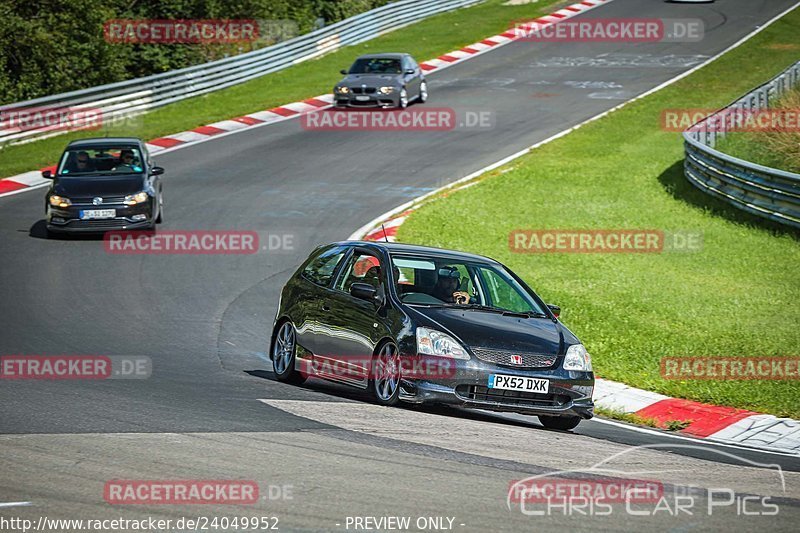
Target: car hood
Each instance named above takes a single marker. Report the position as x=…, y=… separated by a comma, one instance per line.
x=492, y=330
x=99, y=185
x=370, y=80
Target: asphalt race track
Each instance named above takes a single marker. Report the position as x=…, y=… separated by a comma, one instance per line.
x=212, y=408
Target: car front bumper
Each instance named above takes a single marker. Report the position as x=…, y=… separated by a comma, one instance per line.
x=569, y=394
x=366, y=100
x=68, y=220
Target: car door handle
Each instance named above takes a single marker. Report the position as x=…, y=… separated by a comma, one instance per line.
x=326, y=307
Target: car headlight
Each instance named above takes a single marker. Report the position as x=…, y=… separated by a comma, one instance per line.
x=59, y=201
x=133, y=199
x=343, y=90
x=432, y=342
x=578, y=358
x=386, y=90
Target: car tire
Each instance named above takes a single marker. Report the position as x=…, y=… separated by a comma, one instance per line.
x=423, y=92
x=402, y=101
x=384, y=377
x=160, y=217
x=564, y=423
x=284, y=354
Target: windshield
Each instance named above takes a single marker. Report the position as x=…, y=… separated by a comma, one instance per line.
x=442, y=282
x=106, y=159
x=376, y=65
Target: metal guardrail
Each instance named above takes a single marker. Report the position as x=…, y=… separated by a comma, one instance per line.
x=763, y=191
x=127, y=98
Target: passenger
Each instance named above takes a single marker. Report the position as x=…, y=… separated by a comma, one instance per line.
x=83, y=163
x=373, y=275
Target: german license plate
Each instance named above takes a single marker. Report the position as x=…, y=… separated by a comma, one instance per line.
x=518, y=383
x=90, y=214
x=362, y=98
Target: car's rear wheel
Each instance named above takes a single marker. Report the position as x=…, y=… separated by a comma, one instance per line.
x=403, y=101
x=384, y=382
x=423, y=92
x=284, y=351
x=564, y=423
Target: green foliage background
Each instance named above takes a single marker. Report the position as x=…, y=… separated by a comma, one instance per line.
x=53, y=46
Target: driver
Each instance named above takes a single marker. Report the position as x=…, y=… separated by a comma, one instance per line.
x=446, y=288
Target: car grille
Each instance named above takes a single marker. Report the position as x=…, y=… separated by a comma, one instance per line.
x=107, y=200
x=363, y=90
x=503, y=357
x=480, y=393
x=99, y=224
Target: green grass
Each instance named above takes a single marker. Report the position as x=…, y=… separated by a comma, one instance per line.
x=632, y=418
x=773, y=149
x=738, y=296
x=424, y=40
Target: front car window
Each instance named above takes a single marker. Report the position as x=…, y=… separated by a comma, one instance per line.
x=432, y=280
x=320, y=269
x=376, y=65
x=105, y=159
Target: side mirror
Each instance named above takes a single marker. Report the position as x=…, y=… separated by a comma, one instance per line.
x=410, y=71
x=156, y=171
x=556, y=310
x=343, y=71
x=364, y=291
x=47, y=174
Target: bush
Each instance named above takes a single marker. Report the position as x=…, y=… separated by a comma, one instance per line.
x=54, y=46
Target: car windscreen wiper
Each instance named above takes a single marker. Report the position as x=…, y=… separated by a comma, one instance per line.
x=505, y=312
x=528, y=314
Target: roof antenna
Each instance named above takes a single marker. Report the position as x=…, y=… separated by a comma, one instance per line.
x=385, y=238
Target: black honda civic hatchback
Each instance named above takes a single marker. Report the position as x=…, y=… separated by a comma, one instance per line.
x=426, y=325
x=104, y=184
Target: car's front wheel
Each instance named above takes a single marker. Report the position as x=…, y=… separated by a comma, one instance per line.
x=384, y=382
x=423, y=92
x=403, y=99
x=564, y=423
x=160, y=218
x=284, y=351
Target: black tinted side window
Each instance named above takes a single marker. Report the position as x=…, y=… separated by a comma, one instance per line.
x=320, y=269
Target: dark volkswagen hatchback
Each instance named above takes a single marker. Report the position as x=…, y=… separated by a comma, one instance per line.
x=104, y=184
x=425, y=325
